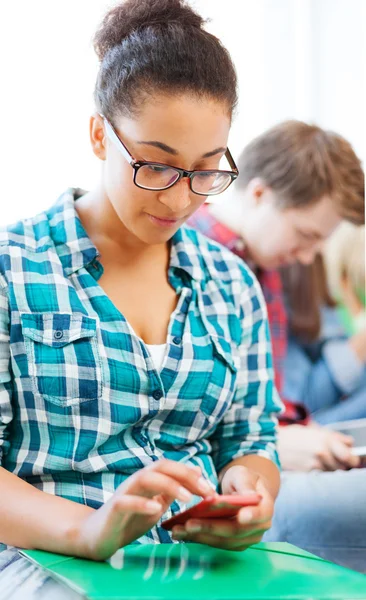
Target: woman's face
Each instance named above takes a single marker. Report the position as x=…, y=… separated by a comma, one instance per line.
x=181, y=131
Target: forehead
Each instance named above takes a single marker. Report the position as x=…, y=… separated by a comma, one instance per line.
x=183, y=122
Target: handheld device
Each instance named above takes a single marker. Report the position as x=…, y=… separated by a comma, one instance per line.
x=214, y=507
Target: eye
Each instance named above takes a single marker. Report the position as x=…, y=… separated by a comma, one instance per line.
x=157, y=168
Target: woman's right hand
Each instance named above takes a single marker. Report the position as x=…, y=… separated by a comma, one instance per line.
x=136, y=506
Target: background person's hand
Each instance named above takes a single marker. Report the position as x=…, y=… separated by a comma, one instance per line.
x=358, y=344
x=304, y=448
x=136, y=506
x=233, y=534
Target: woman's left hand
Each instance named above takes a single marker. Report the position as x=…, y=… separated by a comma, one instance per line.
x=233, y=534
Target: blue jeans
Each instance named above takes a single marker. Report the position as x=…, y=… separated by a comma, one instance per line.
x=312, y=384
x=323, y=513
x=352, y=407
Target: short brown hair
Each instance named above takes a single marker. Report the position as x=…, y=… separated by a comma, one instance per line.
x=303, y=163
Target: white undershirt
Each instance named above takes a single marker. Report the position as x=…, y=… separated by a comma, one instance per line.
x=157, y=352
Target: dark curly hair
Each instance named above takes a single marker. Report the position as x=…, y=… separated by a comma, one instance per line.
x=149, y=46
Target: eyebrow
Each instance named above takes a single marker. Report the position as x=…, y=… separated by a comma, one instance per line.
x=174, y=152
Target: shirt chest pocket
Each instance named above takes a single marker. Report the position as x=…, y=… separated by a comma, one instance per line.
x=62, y=353
x=221, y=386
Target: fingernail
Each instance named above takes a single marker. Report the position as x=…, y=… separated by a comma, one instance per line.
x=193, y=527
x=153, y=507
x=178, y=535
x=204, y=486
x=184, y=494
x=245, y=516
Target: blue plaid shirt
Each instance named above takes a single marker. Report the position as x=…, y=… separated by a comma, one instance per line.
x=82, y=406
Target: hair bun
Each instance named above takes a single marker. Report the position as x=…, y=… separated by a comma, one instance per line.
x=124, y=19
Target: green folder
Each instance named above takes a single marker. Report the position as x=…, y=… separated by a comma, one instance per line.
x=190, y=571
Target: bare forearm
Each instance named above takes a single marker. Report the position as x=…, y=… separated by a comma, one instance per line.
x=30, y=518
x=263, y=467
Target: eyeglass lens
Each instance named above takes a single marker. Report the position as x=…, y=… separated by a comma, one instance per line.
x=155, y=177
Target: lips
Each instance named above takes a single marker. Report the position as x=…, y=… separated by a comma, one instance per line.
x=162, y=221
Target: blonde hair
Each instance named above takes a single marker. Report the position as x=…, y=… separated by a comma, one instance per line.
x=344, y=255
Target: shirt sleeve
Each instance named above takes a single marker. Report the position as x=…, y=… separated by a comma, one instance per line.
x=6, y=413
x=250, y=424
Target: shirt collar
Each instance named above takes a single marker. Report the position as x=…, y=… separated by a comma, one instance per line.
x=73, y=245
x=76, y=250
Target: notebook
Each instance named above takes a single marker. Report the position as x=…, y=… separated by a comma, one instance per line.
x=267, y=571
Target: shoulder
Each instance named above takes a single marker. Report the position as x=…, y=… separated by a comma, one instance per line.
x=27, y=244
x=36, y=234
x=30, y=234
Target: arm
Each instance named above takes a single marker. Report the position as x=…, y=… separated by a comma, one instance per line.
x=31, y=518
x=247, y=433
x=244, y=443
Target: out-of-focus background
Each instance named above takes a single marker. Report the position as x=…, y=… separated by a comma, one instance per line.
x=301, y=59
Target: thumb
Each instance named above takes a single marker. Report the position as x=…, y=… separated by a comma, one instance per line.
x=342, y=437
x=348, y=440
x=343, y=453
x=239, y=480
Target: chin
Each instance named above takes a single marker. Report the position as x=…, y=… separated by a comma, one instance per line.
x=153, y=238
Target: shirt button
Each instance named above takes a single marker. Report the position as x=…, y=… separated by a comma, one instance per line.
x=177, y=340
x=157, y=394
x=58, y=334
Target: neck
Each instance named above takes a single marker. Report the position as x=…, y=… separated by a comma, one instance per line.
x=105, y=228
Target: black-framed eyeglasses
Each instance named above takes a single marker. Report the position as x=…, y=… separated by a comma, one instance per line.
x=155, y=176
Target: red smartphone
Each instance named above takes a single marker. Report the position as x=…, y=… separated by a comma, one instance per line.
x=214, y=507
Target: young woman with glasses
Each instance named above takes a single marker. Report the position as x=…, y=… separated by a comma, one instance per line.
x=136, y=368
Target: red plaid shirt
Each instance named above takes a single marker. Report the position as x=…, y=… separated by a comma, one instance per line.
x=271, y=285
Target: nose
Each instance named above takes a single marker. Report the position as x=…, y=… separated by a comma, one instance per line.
x=306, y=257
x=178, y=197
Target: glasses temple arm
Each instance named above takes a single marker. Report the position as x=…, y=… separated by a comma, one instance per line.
x=231, y=161
x=113, y=136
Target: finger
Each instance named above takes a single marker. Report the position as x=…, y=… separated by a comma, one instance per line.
x=328, y=461
x=135, y=504
x=254, y=515
x=354, y=461
x=224, y=528
x=151, y=483
x=235, y=544
x=188, y=476
x=345, y=439
x=165, y=500
x=344, y=454
x=239, y=480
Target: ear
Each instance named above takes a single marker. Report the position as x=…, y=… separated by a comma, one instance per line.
x=97, y=136
x=257, y=188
